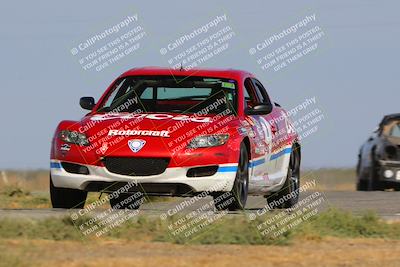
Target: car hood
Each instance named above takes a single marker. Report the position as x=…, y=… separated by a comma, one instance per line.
x=393, y=140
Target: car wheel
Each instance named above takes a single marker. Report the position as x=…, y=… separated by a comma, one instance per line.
x=127, y=201
x=373, y=183
x=362, y=185
x=66, y=198
x=236, y=199
x=397, y=187
x=291, y=185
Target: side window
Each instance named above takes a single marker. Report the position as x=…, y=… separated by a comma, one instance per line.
x=261, y=92
x=147, y=93
x=250, y=97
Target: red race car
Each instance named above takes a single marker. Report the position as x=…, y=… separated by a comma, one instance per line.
x=158, y=131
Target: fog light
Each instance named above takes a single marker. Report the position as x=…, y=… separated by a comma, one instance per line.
x=75, y=168
x=202, y=171
x=388, y=173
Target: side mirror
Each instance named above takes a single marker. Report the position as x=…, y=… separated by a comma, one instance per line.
x=87, y=102
x=262, y=109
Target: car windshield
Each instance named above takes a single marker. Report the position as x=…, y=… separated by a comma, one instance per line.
x=392, y=129
x=395, y=129
x=200, y=95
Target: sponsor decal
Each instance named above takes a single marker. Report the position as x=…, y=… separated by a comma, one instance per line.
x=245, y=123
x=267, y=134
x=156, y=116
x=259, y=129
x=251, y=133
x=250, y=120
x=65, y=147
x=260, y=148
x=242, y=131
x=228, y=85
x=162, y=133
x=136, y=144
x=104, y=147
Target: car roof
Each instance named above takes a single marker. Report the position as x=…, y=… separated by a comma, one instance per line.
x=389, y=117
x=207, y=72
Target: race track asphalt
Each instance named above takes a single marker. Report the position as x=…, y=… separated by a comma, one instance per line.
x=385, y=204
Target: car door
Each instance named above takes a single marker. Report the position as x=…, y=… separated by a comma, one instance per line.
x=276, y=124
x=262, y=138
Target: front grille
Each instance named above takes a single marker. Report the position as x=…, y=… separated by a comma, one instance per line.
x=392, y=152
x=136, y=166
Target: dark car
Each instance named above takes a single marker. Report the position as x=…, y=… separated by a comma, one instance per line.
x=378, y=165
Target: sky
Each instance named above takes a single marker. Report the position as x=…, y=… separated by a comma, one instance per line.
x=352, y=75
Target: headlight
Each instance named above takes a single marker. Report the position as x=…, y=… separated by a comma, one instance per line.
x=388, y=173
x=74, y=137
x=208, y=140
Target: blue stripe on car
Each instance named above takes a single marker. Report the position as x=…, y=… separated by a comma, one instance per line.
x=281, y=153
x=256, y=162
x=55, y=165
x=227, y=168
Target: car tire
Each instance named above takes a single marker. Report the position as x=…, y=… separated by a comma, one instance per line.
x=291, y=185
x=127, y=201
x=66, y=198
x=362, y=185
x=397, y=187
x=236, y=199
x=373, y=183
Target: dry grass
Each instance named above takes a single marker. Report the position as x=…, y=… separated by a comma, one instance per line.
x=331, y=179
x=30, y=189
x=227, y=230
x=29, y=180
x=330, y=252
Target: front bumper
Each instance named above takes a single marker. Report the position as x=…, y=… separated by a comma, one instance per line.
x=389, y=171
x=171, y=182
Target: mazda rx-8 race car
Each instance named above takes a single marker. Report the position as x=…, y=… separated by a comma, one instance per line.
x=158, y=131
